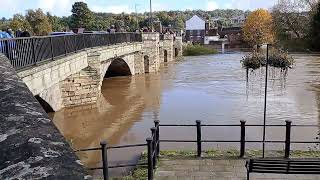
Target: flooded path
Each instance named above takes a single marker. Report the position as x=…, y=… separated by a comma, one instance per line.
x=212, y=88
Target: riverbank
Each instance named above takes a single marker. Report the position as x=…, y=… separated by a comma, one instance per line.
x=213, y=160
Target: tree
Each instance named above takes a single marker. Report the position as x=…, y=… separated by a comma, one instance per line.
x=258, y=29
x=81, y=17
x=39, y=22
x=292, y=17
x=56, y=23
x=4, y=24
x=119, y=25
x=20, y=22
x=315, y=30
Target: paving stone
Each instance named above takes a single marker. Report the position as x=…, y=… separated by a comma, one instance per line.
x=216, y=169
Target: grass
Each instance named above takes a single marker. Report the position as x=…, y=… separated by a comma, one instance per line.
x=232, y=153
x=139, y=173
x=197, y=50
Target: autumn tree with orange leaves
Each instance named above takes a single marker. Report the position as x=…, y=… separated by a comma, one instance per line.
x=258, y=28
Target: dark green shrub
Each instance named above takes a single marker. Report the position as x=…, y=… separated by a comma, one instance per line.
x=196, y=50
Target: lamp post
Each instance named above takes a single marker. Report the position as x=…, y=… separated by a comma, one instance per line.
x=265, y=104
x=136, y=11
x=150, y=16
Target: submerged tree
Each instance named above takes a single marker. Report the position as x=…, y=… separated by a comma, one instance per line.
x=315, y=31
x=292, y=16
x=258, y=28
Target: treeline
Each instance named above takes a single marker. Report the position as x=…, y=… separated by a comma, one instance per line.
x=40, y=23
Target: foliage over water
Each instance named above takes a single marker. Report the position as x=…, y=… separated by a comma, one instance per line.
x=196, y=50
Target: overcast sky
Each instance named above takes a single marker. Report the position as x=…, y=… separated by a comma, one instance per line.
x=63, y=7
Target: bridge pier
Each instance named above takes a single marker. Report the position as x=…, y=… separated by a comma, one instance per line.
x=150, y=48
x=168, y=49
x=81, y=88
x=178, y=47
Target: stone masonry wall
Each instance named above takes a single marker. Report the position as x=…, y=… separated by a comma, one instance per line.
x=81, y=88
x=84, y=87
x=45, y=80
x=32, y=147
x=139, y=63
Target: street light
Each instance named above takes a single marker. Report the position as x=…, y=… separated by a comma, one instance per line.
x=265, y=104
x=150, y=16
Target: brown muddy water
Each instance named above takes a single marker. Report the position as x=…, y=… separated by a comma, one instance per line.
x=211, y=88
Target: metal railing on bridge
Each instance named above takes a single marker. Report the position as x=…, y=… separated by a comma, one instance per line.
x=25, y=52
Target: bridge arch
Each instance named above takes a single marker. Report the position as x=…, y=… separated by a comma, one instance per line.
x=146, y=61
x=45, y=105
x=176, y=52
x=165, y=55
x=118, y=67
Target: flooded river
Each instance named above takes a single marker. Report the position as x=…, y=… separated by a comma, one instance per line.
x=211, y=88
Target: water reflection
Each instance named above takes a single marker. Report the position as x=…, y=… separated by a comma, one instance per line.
x=213, y=89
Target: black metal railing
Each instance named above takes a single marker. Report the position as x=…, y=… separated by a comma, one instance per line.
x=25, y=52
x=152, y=145
x=287, y=142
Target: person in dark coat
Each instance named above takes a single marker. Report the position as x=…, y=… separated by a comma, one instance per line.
x=25, y=34
x=18, y=32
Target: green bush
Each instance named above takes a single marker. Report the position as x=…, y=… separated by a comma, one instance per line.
x=277, y=58
x=196, y=50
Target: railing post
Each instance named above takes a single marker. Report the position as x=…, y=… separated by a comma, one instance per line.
x=154, y=150
x=243, y=138
x=65, y=45
x=199, y=148
x=288, y=139
x=104, y=153
x=150, y=164
x=51, y=46
x=33, y=50
x=84, y=41
x=156, y=124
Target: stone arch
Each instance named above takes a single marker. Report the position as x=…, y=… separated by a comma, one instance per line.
x=165, y=55
x=118, y=67
x=176, y=52
x=146, y=61
x=45, y=105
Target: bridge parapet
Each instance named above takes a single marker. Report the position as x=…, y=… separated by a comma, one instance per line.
x=26, y=52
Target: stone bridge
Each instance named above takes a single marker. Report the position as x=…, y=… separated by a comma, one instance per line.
x=76, y=79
